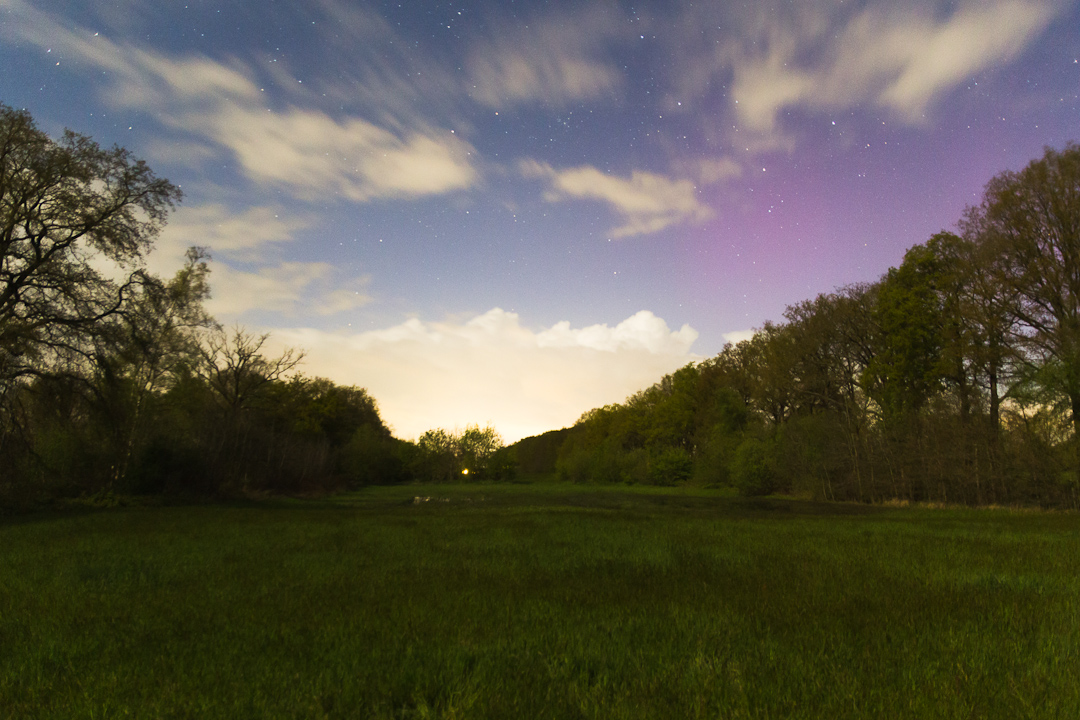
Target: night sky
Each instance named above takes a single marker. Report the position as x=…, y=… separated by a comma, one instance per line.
x=511, y=212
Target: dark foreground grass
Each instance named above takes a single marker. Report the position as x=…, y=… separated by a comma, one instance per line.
x=540, y=601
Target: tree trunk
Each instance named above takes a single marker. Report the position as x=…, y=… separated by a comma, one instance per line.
x=995, y=402
x=1074, y=399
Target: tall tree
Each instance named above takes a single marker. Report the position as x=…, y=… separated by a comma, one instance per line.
x=66, y=207
x=234, y=367
x=156, y=335
x=1031, y=221
x=906, y=369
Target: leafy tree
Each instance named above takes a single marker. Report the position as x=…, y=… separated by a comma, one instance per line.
x=678, y=397
x=67, y=207
x=833, y=338
x=826, y=440
x=906, y=369
x=372, y=456
x=109, y=373
x=987, y=307
x=477, y=448
x=472, y=454
x=947, y=379
x=317, y=407
x=1031, y=221
x=670, y=466
x=539, y=454
x=438, y=456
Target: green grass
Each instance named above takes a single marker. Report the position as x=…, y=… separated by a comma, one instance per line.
x=532, y=601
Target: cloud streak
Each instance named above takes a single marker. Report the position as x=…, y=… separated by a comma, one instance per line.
x=289, y=288
x=936, y=58
x=211, y=106
x=646, y=201
x=552, y=61
x=306, y=152
x=899, y=56
x=313, y=154
x=226, y=231
x=247, y=274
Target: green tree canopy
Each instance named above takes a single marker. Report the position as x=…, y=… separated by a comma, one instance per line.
x=1030, y=222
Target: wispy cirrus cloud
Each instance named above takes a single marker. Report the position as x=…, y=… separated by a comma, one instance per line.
x=647, y=202
x=900, y=56
x=313, y=155
x=305, y=151
x=247, y=273
x=225, y=230
x=708, y=171
x=290, y=288
x=937, y=57
x=492, y=369
x=553, y=60
x=897, y=59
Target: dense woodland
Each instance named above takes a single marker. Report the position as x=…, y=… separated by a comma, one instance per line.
x=115, y=381
x=954, y=378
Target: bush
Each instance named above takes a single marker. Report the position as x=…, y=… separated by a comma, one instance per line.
x=753, y=468
x=670, y=466
x=369, y=458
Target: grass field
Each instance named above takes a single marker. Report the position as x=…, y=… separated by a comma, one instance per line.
x=532, y=601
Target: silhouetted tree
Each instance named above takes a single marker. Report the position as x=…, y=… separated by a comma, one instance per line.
x=234, y=367
x=67, y=207
x=1031, y=220
x=156, y=336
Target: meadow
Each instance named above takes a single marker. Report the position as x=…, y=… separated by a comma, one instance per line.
x=539, y=601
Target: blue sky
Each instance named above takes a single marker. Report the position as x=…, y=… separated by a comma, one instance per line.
x=511, y=212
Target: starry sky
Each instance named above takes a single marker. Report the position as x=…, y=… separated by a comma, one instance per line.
x=508, y=212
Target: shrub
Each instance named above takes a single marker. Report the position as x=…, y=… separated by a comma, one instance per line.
x=670, y=466
x=753, y=468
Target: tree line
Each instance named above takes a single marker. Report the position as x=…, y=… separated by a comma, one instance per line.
x=953, y=378
x=116, y=381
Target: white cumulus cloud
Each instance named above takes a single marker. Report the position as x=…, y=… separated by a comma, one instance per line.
x=492, y=369
x=737, y=336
